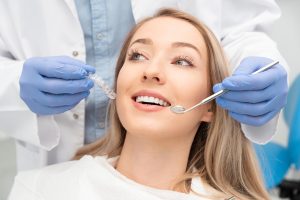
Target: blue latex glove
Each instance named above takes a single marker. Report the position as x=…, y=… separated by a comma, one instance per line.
x=53, y=85
x=254, y=99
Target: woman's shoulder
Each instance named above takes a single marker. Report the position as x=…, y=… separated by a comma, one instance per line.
x=50, y=168
x=63, y=175
x=200, y=187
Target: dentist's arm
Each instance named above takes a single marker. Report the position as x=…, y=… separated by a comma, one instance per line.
x=35, y=81
x=12, y=109
x=255, y=100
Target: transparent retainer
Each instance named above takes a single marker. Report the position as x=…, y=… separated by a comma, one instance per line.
x=101, y=83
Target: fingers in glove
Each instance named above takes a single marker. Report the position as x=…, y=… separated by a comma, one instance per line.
x=253, y=121
x=60, y=86
x=252, y=109
x=59, y=100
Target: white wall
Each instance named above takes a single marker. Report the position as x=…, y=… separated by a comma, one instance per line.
x=286, y=32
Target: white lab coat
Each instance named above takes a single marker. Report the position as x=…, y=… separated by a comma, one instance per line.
x=52, y=28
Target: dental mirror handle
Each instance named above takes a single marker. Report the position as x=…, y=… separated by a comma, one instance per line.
x=180, y=109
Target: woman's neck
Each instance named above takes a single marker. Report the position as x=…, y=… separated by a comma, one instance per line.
x=154, y=163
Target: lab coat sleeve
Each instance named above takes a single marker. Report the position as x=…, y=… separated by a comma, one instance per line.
x=244, y=25
x=16, y=119
x=24, y=187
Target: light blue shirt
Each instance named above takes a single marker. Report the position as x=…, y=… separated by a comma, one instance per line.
x=105, y=24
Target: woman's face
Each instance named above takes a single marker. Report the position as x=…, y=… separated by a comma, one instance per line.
x=166, y=65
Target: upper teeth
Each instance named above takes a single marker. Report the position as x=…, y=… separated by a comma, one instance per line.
x=151, y=100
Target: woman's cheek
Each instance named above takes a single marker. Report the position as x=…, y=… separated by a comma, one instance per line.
x=196, y=91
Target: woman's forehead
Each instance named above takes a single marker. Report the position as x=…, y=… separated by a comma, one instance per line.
x=170, y=30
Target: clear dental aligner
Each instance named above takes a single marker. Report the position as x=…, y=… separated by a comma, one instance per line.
x=100, y=82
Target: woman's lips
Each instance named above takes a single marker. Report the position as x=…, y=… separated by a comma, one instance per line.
x=147, y=107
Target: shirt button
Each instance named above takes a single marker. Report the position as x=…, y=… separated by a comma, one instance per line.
x=102, y=124
x=75, y=116
x=75, y=53
x=99, y=36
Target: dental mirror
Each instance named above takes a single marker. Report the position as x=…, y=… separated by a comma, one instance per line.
x=178, y=109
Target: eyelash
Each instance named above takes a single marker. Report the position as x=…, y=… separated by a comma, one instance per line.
x=184, y=58
x=135, y=52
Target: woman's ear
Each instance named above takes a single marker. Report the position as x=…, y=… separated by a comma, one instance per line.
x=207, y=115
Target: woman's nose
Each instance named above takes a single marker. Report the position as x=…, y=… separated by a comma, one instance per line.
x=154, y=72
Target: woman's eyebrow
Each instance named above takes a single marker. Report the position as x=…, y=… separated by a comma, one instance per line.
x=184, y=44
x=143, y=41
x=148, y=41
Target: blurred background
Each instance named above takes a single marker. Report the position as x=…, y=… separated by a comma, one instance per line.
x=286, y=32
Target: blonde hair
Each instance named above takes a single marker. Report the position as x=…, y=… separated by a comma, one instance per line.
x=220, y=153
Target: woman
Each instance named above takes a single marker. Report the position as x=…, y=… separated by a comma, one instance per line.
x=150, y=152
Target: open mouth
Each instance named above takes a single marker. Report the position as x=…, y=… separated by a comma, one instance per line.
x=149, y=100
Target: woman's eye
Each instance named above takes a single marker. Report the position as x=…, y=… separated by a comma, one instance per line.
x=137, y=56
x=183, y=63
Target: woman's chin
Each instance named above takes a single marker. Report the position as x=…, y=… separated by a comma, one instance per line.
x=149, y=130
